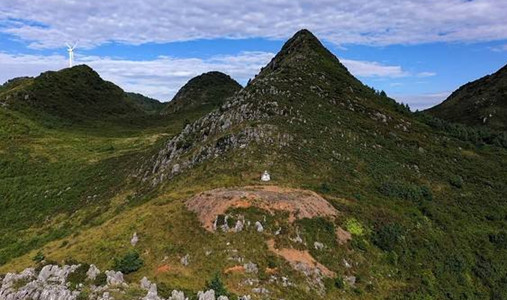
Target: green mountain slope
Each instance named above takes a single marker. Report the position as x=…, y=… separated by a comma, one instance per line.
x=366, y=201
x=70, y=95
x=206, y=91
x=482, y=102
x=146, y=104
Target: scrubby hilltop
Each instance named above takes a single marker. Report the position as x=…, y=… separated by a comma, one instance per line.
x=204, y=92
x=365, y=200
x=72, y=95
x=482, y=102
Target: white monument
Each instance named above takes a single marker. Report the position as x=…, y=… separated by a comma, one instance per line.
x=265, y=176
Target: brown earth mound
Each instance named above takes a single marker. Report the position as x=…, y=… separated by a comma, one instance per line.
x=299, y=203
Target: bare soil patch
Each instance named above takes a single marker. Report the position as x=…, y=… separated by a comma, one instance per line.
x=294, y=256
x=299, y=203
x=235, y=269
x=343, y=236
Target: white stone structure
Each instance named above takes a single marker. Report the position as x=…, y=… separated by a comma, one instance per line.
x=265, y=176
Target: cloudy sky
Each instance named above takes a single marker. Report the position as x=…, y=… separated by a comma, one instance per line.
x=418, y=51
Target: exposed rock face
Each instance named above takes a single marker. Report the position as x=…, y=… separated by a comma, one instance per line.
x=49, y=284
x=115, y=278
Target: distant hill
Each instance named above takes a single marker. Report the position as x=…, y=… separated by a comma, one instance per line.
x=74, y=95
x=146, y=104
x=482, y=102
x=208, y=90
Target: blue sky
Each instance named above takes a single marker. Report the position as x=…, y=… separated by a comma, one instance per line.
x=417, y=51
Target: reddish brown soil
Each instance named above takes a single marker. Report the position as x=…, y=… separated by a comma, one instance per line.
x=235, y=269
x=343, y=236
x=299, y=203
x=163, y=269
x=294, y=256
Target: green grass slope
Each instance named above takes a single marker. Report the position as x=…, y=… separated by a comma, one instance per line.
x=426, y=220
x=482, y=102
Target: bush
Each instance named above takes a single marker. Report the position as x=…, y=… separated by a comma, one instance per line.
x=456, y=181
x=354, y=227
x=388, y=236
x=218, y=286
x=78, y=276
x=406, y=191
x=129, y=263
x=339, y=283
x=100, y=280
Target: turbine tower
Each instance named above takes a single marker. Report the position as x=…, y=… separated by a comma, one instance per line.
x=70, y=49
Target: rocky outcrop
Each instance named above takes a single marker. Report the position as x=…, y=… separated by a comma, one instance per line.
x=51, y=283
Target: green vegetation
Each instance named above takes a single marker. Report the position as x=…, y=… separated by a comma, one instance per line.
x=78, y=276
x=129, y=263
x=208, y=90
x=423, y=199
x=218, y=286
x=479, y=103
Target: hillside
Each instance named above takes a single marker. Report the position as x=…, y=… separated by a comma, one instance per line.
x=71, y=95
x=146, y=104
x=365, y=201
x=206, y=91
x=482, y=102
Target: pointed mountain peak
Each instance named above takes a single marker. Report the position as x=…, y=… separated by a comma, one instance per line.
x=304, y=56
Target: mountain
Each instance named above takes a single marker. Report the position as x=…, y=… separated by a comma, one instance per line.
x=146, y=104
x=74, y=94
x=482, y=102
x=206, y=91
x=365, y=200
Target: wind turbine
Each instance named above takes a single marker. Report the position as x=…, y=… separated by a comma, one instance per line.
x=70, y=49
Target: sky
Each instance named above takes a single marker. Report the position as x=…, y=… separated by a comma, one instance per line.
x=418, y=51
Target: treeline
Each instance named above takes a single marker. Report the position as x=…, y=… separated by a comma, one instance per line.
x=476, y=135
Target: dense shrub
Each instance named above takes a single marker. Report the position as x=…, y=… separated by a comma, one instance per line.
x=100, y=280
x=218, y=286
x=456, y=181
x=129, y=263
x=388, y=236
x=406, y=191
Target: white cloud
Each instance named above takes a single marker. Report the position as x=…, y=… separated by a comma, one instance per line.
x=500, y=48
x=423, y=101
x=48, y=23
x=426, y=74
x=373, y=69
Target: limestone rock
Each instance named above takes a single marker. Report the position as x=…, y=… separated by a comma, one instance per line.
x=185, y=260
x=134, y=239
x=115, y=278
x=251, y=268
x=92, y=273
x=259, y=226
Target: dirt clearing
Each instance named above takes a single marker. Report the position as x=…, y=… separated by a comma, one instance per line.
x=299, y=203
